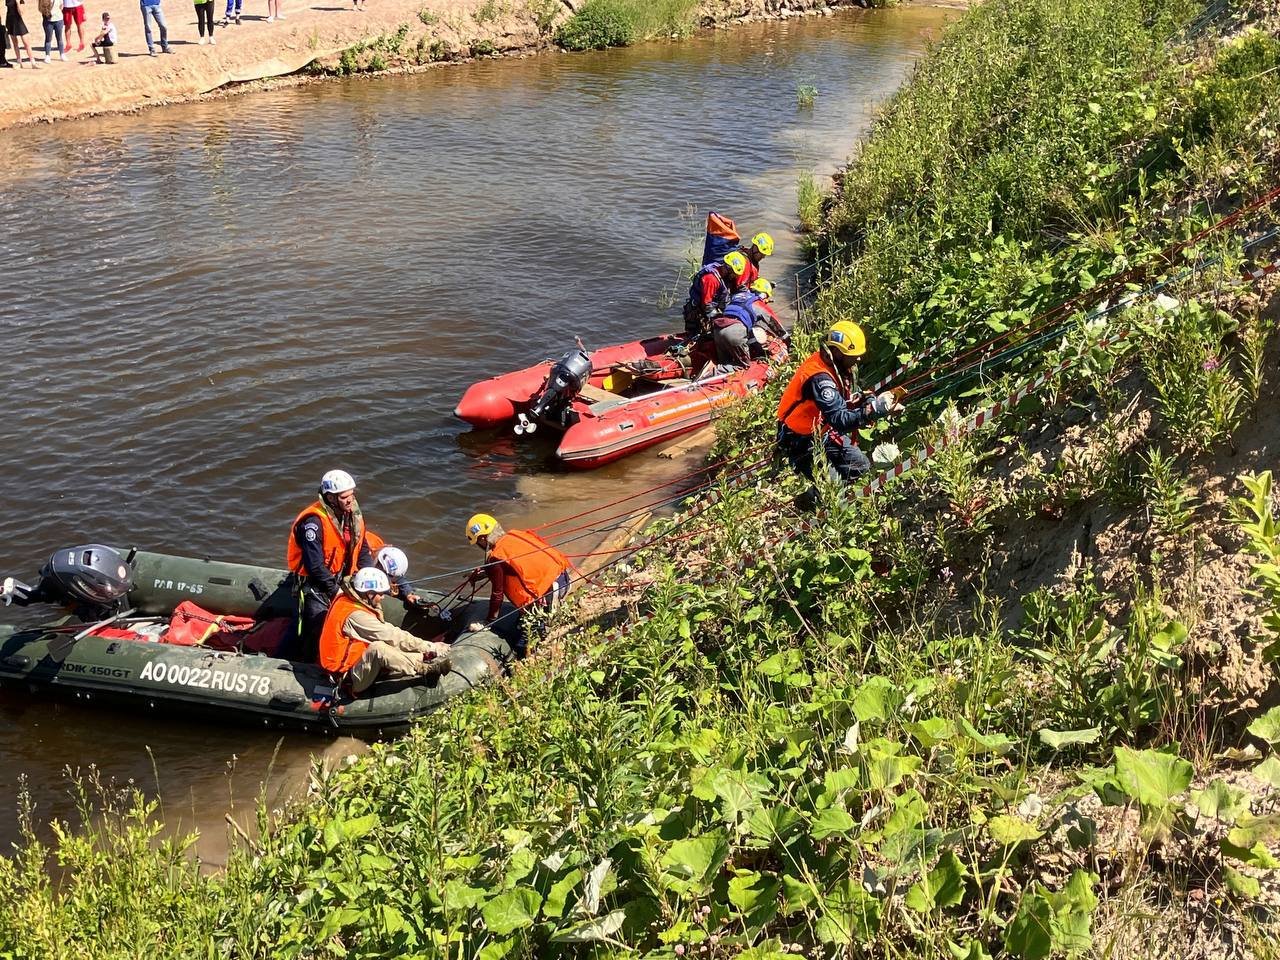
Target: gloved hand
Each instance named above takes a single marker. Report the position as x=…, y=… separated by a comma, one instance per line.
x=9, y=589
x=887, y=404
x=476, y=575
x=475, y=626
x=413, y=600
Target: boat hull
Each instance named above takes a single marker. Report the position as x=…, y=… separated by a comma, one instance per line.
x=498, y=400
x=255, y=689
x=603, y=435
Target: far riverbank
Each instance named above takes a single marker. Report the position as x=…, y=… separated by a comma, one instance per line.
x=319, y=40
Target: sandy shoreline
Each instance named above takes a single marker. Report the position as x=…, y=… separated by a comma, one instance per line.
x=257, y=54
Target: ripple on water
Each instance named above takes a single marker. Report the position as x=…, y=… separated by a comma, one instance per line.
x=219, y=301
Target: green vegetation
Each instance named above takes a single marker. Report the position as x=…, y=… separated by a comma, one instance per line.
x=809, y=201
x=620, y=23
x=489, y=11
x=806, y=94
x=999, y=710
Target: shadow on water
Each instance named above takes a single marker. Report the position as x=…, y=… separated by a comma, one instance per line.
x=225, y=299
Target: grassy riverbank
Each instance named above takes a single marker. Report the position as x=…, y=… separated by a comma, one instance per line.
x=1018, y=705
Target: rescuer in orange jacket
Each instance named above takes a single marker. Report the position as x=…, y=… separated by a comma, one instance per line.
x=823, y=395
x=357, y=642
x=326, y=543
x=523, y=568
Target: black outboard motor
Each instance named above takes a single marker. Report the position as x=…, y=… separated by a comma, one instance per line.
x=93, y=580
x=568, y=376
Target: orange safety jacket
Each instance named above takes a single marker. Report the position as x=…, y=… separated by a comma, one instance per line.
x=795, y=411
x=339, y=652
x=340, y=557
x=532, y=565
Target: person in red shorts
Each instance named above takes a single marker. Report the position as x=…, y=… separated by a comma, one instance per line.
x=73, y=12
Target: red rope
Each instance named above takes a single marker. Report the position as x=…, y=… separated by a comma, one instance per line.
x=1106, y=287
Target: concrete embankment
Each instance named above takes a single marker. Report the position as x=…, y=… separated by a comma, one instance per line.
x=323, y=37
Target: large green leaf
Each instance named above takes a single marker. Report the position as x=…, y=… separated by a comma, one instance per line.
x=1221, y=801
x=1028, y=935
x=690, y=864
x=1267, y=726
x=929, y=733
x=877, y=699
x=1008, y=830
x=1057, y=739
x=943, y=886
x=833, y=820
x=1151, y=777
x=511, y=910
x=1268, y=771
x=773, y=823
x=1242, y=885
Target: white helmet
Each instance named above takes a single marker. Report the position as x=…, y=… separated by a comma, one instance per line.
x=337, y=481
x=393, y=561
x=370, y=580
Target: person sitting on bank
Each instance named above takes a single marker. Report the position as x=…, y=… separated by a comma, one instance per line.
x=104, y=44
x=326, y=543
x=823, y=393
x=733, y=332
x=710, y=291
x=358, y=643
x=522, y=568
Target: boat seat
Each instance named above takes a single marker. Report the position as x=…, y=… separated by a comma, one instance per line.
x=595, y=394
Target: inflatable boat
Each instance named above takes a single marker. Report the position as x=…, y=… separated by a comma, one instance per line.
x=198, y=637
x=615, y=401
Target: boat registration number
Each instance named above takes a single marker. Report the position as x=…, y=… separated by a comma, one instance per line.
x=206, y=678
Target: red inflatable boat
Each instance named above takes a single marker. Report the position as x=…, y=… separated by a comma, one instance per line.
x=617, y=400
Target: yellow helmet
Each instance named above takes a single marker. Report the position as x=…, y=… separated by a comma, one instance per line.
x=764, y=243
x=846, y=337
x=763, y=287
x=481, y=525
x=736, y=262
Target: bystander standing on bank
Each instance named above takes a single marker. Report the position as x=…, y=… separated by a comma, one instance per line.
x=273, y=11
x=151, y=11
x=51, y=20
x=17, y=30
x=104, y=44
x=204, y=21
x=4, y=46
x=232, y=14
x=72, y=13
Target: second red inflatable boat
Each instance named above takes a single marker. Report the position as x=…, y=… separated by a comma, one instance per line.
x=617, y=400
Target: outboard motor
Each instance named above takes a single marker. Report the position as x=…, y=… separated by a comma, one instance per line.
x=568, y=376
x=92, y=574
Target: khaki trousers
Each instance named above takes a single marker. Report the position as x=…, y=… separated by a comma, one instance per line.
x=384, y=661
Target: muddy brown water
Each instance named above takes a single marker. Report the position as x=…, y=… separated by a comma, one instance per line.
x=209, y=305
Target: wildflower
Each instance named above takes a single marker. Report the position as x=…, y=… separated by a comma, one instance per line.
x=1213, y=363
x=946, y=573
x=679, y=949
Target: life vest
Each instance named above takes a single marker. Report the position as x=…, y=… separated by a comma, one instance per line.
x=340, y=557
x=721, y=298
x=742, y=307
x=339, y=652
x=533, y=565
x=797, y=412
x=749, y=275
x=374, y=541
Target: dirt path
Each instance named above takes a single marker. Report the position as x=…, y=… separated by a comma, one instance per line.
x=320, y=29
x=405, y=32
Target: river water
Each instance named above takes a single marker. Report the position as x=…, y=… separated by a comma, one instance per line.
x=209, y=305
